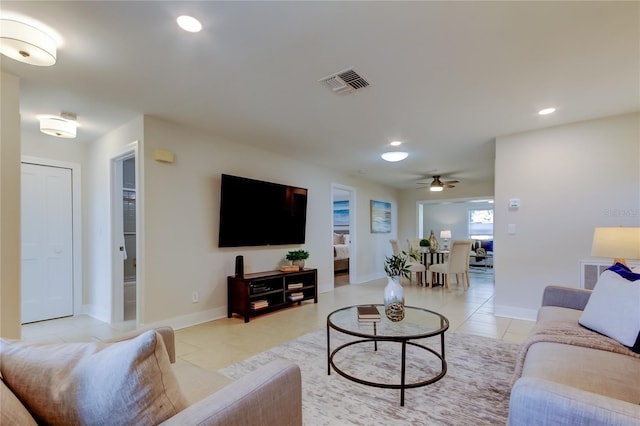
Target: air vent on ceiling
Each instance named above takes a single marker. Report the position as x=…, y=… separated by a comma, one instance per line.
x=344, y=82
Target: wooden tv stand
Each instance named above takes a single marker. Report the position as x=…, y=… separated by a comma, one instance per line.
x=269, y=291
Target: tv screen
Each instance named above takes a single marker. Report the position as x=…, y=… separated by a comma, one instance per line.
x=257, y=213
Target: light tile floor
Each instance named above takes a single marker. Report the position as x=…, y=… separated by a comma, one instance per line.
x=217, y=344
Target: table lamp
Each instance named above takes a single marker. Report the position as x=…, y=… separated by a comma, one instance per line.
x=445, y=235
x=617, y=242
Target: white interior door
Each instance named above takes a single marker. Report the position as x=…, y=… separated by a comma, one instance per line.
x=47, y=243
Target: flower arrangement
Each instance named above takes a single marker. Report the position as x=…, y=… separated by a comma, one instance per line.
x=396, y=266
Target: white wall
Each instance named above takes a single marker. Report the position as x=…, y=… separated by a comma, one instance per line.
x=97, y=271
x=10, y=247
x=569, y=179
x=44, y=146
x=181, y=205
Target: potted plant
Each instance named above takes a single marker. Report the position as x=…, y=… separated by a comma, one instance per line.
x=424, y=243
x=396, y=267
x=297, y=257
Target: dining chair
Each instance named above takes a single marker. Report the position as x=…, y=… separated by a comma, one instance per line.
x=413, y=266
x=414, y=243
x=457, y=264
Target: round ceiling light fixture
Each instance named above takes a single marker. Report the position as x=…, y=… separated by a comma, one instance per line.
x=189, y=23
x=64, y=126
x=26, y=43
x=396, y=143
x=394, y=156
x=547, y=111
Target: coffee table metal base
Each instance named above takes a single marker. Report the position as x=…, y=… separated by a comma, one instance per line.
x=402, y=385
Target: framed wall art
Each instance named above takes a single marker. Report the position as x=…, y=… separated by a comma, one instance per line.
x=380, y=217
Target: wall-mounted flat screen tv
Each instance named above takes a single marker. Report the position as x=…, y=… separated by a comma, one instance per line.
x=257, y=213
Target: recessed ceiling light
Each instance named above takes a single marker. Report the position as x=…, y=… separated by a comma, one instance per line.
x=189, y=23
x=396, y=143
x=394, y=156
x=546, y=111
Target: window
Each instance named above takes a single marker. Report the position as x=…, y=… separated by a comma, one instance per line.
x=481, y=224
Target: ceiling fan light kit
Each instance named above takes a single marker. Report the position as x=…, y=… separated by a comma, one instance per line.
x=26, y=43
x=437, y=185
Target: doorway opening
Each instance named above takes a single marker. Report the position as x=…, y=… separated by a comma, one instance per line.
x=125, y=198
x=462, y=218
x=343, y=236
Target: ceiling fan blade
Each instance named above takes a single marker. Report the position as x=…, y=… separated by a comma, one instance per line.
x=449, y=182
x=446, y=185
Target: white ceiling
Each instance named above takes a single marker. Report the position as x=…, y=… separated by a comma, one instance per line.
x=446, y=77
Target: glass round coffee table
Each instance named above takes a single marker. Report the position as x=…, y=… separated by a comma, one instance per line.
x=418, y=323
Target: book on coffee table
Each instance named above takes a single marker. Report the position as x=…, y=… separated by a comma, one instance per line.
x=368, y=312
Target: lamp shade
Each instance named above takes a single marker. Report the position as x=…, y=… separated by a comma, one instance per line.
x=59, y=127
x=445, y=234
x=27, y=44
x=616, y=242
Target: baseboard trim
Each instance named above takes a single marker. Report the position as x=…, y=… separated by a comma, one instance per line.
x=95, y=312
x=515, y=313
x=188, y=320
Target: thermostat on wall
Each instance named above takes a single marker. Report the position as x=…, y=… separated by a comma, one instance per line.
x=514, y=203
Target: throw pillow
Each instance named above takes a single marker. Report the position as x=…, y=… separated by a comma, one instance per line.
x=613, y=308
x=128, y=382
x=12, y=412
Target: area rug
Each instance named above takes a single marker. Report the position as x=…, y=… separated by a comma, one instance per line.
x=475, y=390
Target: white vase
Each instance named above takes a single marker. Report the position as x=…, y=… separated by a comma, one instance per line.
x=394, y=299
x=298, y=263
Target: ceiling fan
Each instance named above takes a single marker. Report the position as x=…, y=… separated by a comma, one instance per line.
x=437, y=185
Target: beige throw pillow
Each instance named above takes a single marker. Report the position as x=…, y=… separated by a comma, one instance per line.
x=128, y=382
x=12, y=412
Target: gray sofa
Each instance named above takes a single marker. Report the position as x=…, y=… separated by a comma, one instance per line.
x=271, y=395
x=569, y=375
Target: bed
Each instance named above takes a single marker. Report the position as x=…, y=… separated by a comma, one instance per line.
x=340, y=252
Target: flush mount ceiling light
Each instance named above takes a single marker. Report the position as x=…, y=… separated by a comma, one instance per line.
x=546, y=111
x=189, y=23
x=396, y=143
x=64, y=126
x=394, y=156
x=26, y=43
